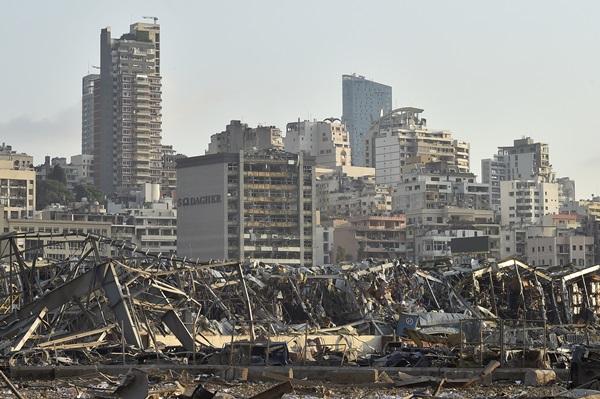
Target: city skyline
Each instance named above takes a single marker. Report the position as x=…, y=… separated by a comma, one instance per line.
x=491, y=73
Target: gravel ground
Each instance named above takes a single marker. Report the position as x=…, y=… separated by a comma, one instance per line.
x=98, y=386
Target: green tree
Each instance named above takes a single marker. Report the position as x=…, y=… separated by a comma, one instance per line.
x=58, y=174
x=361, y=251
x=340, y=255
x=52, y=191
x=89, y=191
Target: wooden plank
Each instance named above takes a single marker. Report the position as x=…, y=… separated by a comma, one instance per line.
x=275, y=392
x=75, y=336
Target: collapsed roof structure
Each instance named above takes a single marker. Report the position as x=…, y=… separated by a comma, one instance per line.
x=86, y=306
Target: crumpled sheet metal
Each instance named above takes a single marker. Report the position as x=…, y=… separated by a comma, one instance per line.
x=129, y=301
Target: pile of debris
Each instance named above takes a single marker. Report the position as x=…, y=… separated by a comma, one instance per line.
x=141, y=306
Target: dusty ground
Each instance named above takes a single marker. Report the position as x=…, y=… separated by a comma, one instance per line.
x=95, y=386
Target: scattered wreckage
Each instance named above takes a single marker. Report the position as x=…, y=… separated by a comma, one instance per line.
x=142, y=307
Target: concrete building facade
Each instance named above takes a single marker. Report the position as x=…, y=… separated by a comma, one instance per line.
x=127, y=143
x=21, y=161
x=238, y=136
x=17, y=190
x=88, y=114
x=363, y=102
x=401, y=138
x=427, y=187
x=561, y=250
x=79, y=170
x=252, y=205
x=54, y=240
x=346, y=192
x=527, y=201
x=430, y=231
x=373, y=236
x=169, y=172
x=324, y=248
x=524, y=160
x=327, y=141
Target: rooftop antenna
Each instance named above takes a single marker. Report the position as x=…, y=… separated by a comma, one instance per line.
x=154, y=18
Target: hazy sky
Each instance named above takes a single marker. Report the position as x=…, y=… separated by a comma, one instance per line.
x=489, y=71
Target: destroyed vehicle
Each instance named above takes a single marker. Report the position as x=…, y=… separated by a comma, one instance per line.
x=251, y=353
x=433, y=323
x=408, y=357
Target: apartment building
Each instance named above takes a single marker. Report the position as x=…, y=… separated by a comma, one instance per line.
x=324, y=247
x=527, y=201
x=251, y=205
x=54, y=240
x=238, y=136
x=433, y=186
x=89, y=102
x=363, y=102
x=128, y=126
x=169, y=173
x=591, y=227
x=17, y=189
x=328, y=141
x=401, y=136
x=152, y=227
x=561, y=250
x=524, y=160
x=373, y=236
x=430, y=231
x=349, y=191
x=78, y=171
x=19, y=161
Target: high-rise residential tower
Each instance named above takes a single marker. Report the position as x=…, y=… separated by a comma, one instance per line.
x=127, y=143
x=363, y=102
x=87, y=113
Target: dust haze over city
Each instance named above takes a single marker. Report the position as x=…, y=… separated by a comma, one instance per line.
x=490, y=72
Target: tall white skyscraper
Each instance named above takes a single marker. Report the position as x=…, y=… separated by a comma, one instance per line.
x=363, y=102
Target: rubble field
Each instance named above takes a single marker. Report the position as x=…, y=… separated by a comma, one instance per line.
x=144, y=308
x=99, y=387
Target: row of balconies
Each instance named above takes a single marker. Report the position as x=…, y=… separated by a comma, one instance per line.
x=270, y=248
x=270, y=224
x=286, y=187
x=161, y=238
x=266, y=174
x=270, y=199
x=257, y=211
